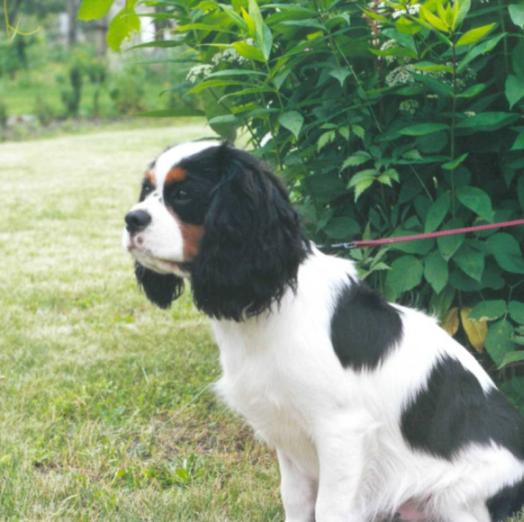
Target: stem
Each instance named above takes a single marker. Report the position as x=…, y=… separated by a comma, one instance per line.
x=273, y=130
x=422, y=184
x=505, y=39
x=453, y=119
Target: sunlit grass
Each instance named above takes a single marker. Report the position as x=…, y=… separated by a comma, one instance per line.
x=106, y=409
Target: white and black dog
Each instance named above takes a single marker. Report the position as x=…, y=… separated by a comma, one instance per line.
x=374, y=411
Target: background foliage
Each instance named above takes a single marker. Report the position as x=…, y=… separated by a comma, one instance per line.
x=385, y=119
x=50, y=82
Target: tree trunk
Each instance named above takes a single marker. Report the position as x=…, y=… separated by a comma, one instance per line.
x=13, y=9
x=160, y=24
x=72, y=23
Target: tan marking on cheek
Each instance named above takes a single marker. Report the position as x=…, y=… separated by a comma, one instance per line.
x=191, y=234
x=175, y=174
x=150, y=176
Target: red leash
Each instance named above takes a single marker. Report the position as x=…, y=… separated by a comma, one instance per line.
x=366, y=243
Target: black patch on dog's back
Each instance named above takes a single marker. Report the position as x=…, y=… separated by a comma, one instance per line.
x=453, y=410
x=364, y=327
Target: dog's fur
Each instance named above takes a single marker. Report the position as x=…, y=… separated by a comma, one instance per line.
x=372, y=408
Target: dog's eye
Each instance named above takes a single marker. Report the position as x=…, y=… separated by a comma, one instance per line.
x=181, y=196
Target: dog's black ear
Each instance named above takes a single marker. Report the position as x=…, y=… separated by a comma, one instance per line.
x=160, y=289
x=252, y=243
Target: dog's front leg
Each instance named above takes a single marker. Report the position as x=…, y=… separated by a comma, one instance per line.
x=298, y=491
x=340, y=447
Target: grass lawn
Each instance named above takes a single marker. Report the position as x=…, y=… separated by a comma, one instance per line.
x=106, y=409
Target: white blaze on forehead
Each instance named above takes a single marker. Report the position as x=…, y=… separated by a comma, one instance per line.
x=171, y=157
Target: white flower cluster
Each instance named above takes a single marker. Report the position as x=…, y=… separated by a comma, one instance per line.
x=409, y=106
x=398, y=11
x=401, y=75
x=199, y=72
x=229, y=56
x=389, y=44
x=412, y=9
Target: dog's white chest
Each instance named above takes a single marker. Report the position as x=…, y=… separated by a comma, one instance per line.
x=257, y=384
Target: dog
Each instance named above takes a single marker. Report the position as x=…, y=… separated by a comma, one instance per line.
x=374, y=411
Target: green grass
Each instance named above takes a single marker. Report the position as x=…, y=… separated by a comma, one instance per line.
x=106, y=409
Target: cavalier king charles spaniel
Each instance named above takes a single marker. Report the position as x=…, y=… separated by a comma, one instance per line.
x=374, y=411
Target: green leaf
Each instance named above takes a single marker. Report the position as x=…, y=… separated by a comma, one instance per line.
x=123, y=25
x=249, y=51
x=476, y=200
x=487, y=121
x=421, y=247
x=225, y=118
x=434, y=21
x=436, y=271
x=482, y=48
x=263, y=36
x=516, y=59
x=518, y=144
x=448, y=245
x=209, y=84
x=292, y=121
x=405, y=273
x=470, y=261
x=520, y=192
x=498, y=340
x=474, y=35
x=516, y=12
x=325, y=139
x=358, y=158
x=514, y=89
x=324, y=187
x=512, y=357
x=94, y=9
x=516, y=310
x=433, y=67
x=341, y=228
x=340, y=73
x=361, y=186
x=437, y=212
x=506, y=250
x=473, y=90
x=421, y=129
x=435, y=85
x=453, y=164
x=489, y=310
x=361, y=181
x=460, y=11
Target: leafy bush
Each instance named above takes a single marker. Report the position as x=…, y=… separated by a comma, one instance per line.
x=127, y=90
x=44, y=111
x=3, y=115
x=71, y=93
x=387, y=119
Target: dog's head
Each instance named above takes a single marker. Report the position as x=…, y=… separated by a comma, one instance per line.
x=218, y=216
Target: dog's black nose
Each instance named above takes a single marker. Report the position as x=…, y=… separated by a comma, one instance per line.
x=137, y=220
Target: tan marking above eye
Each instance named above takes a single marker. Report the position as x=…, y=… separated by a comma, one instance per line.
x=150, y=176
x=175, y=174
